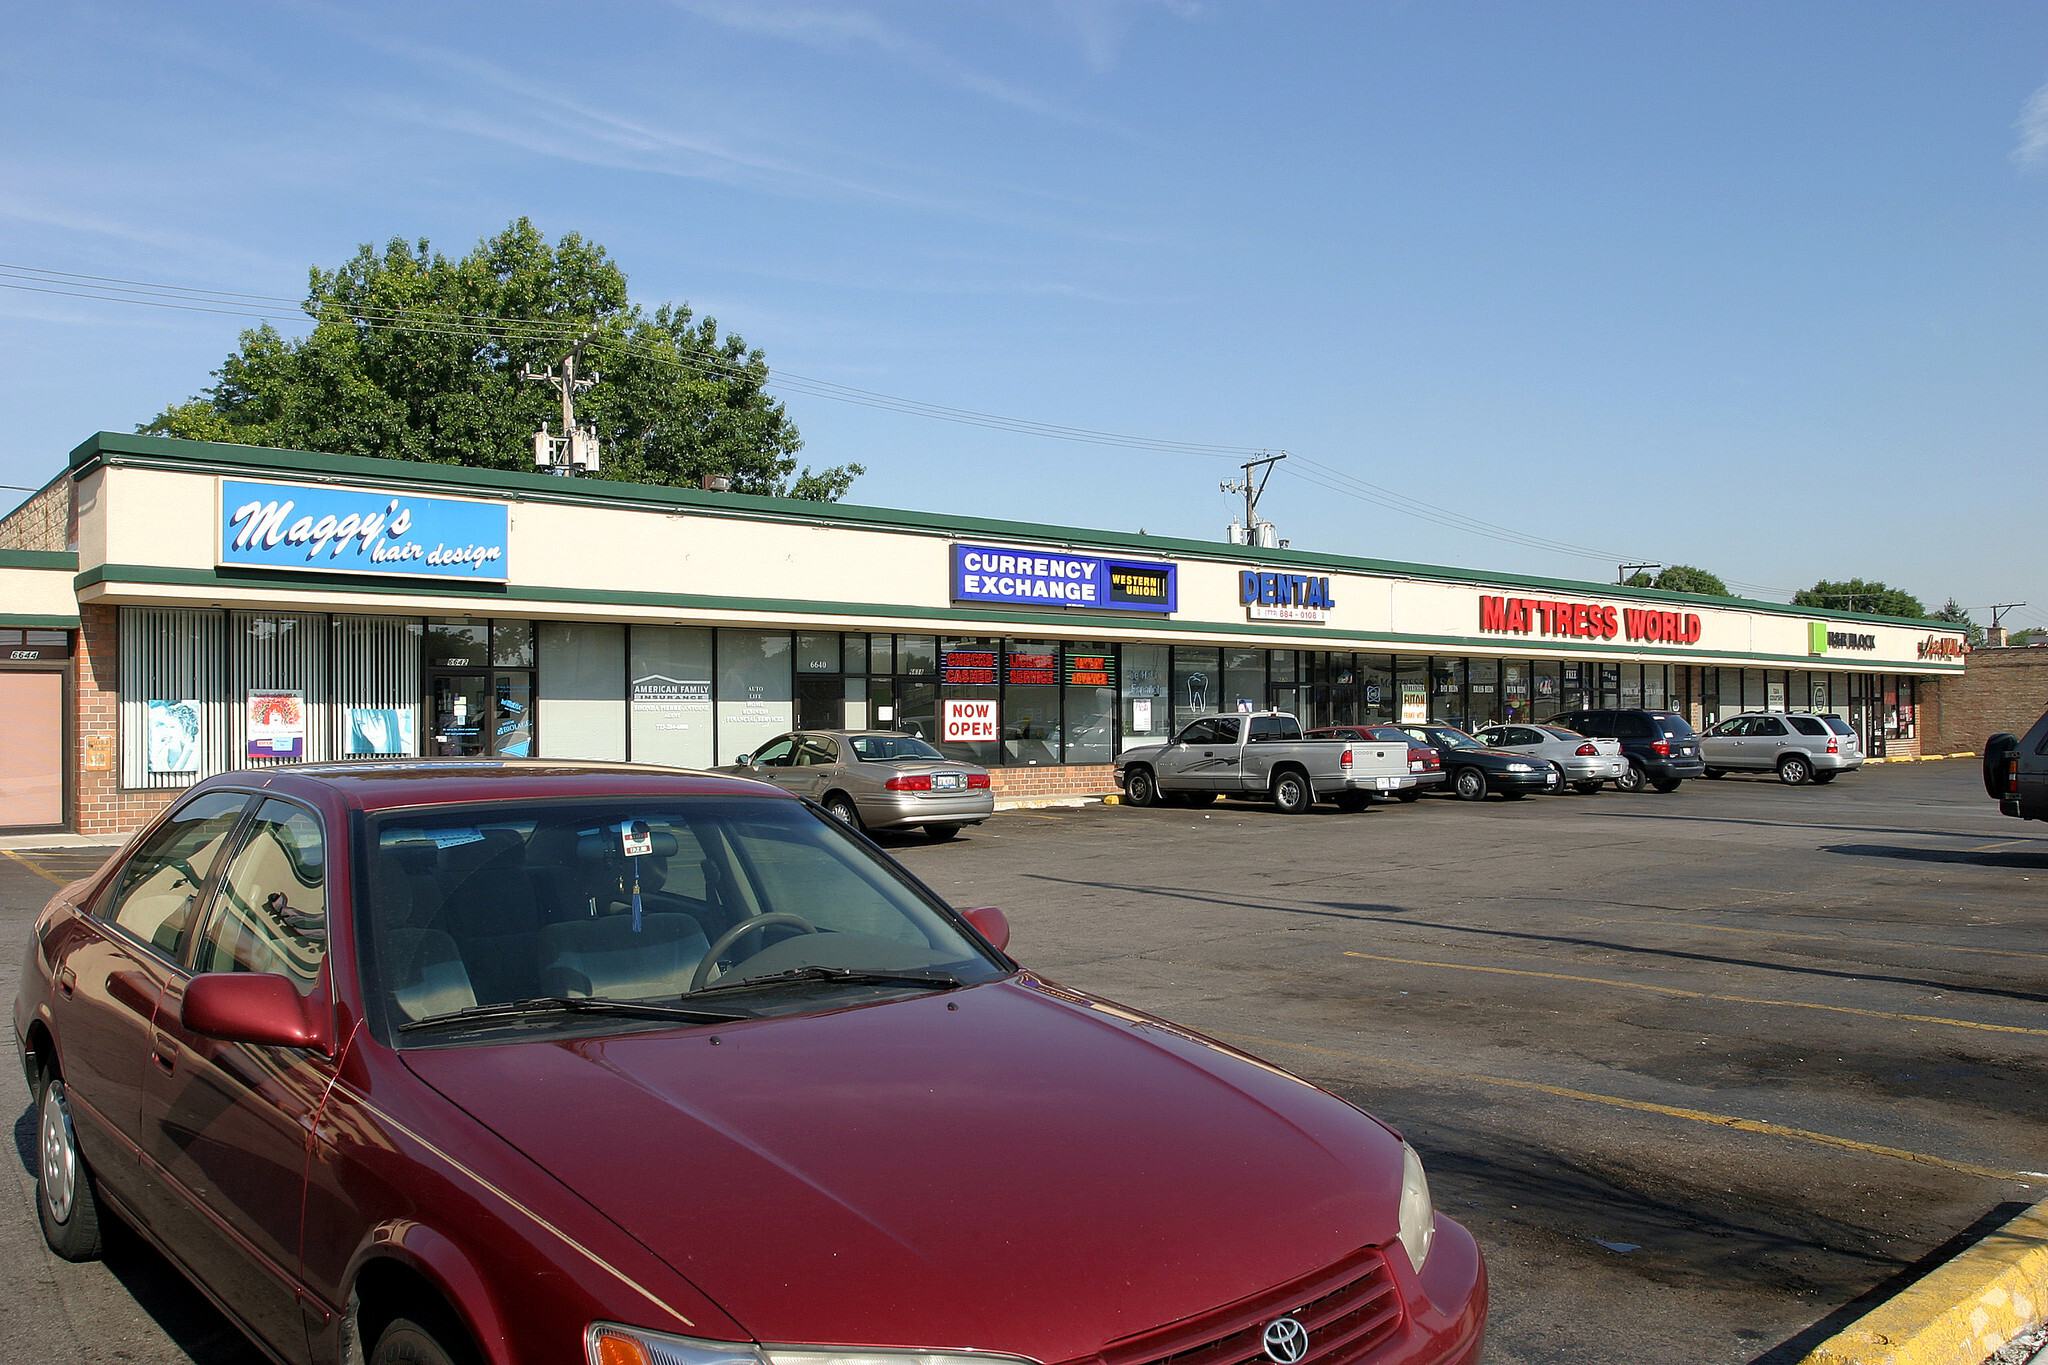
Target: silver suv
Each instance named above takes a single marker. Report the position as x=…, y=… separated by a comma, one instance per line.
x=1800, y=747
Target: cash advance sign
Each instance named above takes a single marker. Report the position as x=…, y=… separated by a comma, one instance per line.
x=1041, y=578
x=352, y=530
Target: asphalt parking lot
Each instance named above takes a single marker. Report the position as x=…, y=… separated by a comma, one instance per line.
x=1699, y=1070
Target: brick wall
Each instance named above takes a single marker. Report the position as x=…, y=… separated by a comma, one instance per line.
x=1049, y=783
x=2000, y=689
x=102, y=807
x=43, y=522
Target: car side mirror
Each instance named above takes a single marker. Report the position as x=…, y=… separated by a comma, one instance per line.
x=991, y=923
x=249, y=1007
x=743, y=760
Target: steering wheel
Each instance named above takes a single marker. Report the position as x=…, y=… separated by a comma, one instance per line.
x=702, y=977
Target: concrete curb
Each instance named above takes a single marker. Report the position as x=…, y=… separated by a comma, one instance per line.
x=1918, y=758
x=1959, y=1313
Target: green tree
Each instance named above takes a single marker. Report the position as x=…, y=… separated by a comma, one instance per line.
x=414, y=356
x=1954, y=615
x=1685, y=578
x=1865, y=599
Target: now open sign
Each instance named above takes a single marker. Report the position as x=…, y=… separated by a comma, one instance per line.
x=967, y=722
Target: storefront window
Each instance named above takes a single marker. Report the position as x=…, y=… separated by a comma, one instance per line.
x=1089, y=674
x=817, y=652
x=1283, y=665
x=917, y=709
x=1575, y=687
x=882, y=655
x=512, y=644
x=1632, y=686
x=856, y=647
x=669, y=709
x=1195, y=682
x=1147, y=709
x=377, y=686
x=277, y=669
x=917, y=654
x=1546, y=697
x=1610, y=683
x=1447, y=691
x=583, y=700
x=756, y=700
x=969, y=669
x=1031, y=701
x=1514, y=690
x=1483, y=687
x=1411, y=677
x=1656, y=687
x=458, y=644
x=1378, y=699
x=1244, y=679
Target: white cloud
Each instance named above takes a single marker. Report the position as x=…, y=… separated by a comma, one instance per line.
x=2033, y=130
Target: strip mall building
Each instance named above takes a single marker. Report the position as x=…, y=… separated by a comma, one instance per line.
x=175, y=609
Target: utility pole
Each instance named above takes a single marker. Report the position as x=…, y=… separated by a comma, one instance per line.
x=1252, y=492
x=1628, y=571
x=1996, y=635
x=576, y=448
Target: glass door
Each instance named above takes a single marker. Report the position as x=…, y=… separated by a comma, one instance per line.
x=460, y=708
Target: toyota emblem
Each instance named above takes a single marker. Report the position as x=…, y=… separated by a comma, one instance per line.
x=1286, y=1341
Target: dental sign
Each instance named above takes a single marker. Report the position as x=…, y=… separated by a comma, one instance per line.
x=1284, y=596
x=354, y=530
x=1042, y=578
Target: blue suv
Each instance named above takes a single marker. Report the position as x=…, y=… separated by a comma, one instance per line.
x=1662, y=750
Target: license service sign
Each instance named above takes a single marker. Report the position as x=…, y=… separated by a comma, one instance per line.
x=364, y=531
x=1042, y=578
x=969, y=721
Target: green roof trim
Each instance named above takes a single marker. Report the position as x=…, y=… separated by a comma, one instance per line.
x=66, y=560
x=118, y=448
x=1105, y=624
x=33, y=622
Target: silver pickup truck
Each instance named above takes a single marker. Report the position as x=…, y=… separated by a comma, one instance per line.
x=1263, y=754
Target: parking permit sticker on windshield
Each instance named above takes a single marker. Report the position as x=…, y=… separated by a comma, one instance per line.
x=636, y=838
x=455, y=838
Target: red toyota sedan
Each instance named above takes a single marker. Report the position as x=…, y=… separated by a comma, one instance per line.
x=529, y=1062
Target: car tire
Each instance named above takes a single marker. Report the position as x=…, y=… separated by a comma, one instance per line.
x=1795, y=771
x=1292, y=794
x=1998, y=751
x=67, y=1205
x=1141, y=788
x=938, y=834
x=1717, y=772
x=1353, y=802
x=840, y=807
x=1632, y=779
x=1822, y=778
x=1198, y=798
x=1469, y=784
x=1409, y=797
x=1588, y=788
x=407, y=1341
x=1667, y=785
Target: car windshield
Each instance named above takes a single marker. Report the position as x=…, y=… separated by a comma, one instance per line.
x=893, y=749
x=1674, y=727
x=643, y=901
x=1838, y=725
x=1444, y=737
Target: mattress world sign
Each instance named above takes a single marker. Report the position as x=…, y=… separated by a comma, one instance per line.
x=1585, y=621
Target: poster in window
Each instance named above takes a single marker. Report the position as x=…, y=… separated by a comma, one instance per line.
x=378, y=730
x=173, y=736
x=275, y=724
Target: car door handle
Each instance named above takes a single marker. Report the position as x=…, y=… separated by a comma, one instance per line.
x=67, y=981
x=163, y=1050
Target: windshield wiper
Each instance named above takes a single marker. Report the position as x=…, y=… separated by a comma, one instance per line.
x=573, y=1004
x=848, y=975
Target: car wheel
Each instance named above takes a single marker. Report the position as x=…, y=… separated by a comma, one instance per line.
x=1795, y=771
x=65, y=1201
x=1717, y=772
x=1198, y=798
x=1667, y=785
x=1409, y=797
x=938, y=834
x=841, y=808
x=407, y=1342
x=1824, y=778
x=1632, y=779
x=1469, y=784
x=1292, y=794
x=1141, y=788
x=1587, y=788
x=1354, y=801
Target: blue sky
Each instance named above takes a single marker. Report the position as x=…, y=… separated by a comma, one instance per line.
x=1754, y=287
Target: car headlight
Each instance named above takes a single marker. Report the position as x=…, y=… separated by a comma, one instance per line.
x=606, y=1343
x=1418, y=1212
x=1521, y=767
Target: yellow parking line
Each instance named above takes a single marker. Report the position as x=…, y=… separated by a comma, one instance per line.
x=1819, y=938
x=40, y=872
x=1708, y=995
x=1644, y=1106
x=1985, y=848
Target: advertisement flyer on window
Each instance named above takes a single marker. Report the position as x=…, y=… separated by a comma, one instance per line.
x=173, y=736
x=275, y=724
